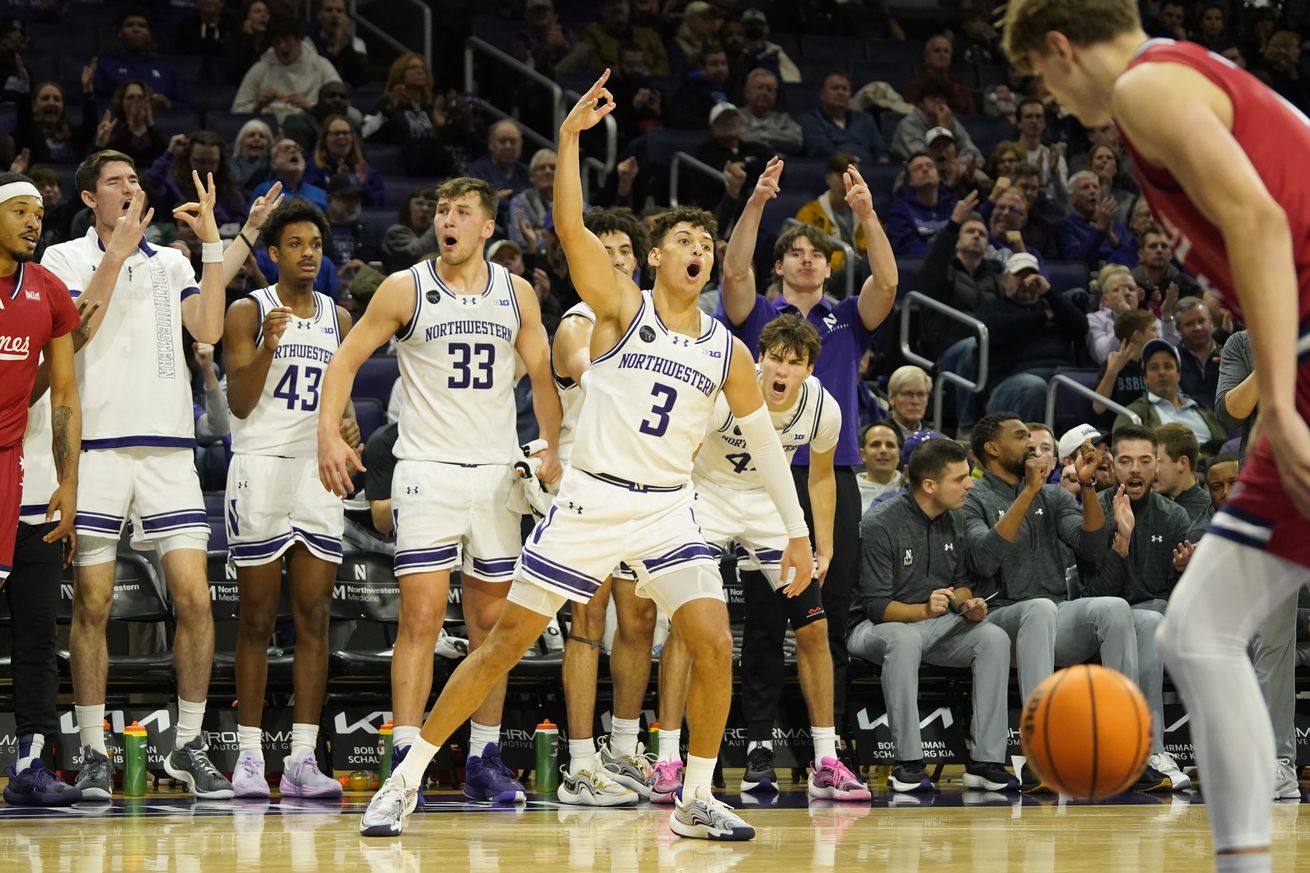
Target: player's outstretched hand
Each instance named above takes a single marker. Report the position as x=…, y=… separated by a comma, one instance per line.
x=129, y=229
x=550, y=471
x=199, y=213
x=275, y=324
x=797, y=566
x=336, y=462
x=767, y=187
x=63, y=501
x=858, y=196
x=589, y=110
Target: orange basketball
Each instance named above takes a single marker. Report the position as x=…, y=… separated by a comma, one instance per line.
x=1087, y=732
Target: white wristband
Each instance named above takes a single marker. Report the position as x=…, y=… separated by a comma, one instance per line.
x=211, y=252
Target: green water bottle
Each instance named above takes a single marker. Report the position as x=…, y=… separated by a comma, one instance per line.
x=384, y=763
x=653, y=738
x=547, y=747
x=134, y=760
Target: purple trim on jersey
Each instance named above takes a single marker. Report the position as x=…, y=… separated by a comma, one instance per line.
x=172, y=521
x=681, y=555
x=158, y=442
x=633, y=486
x=18, y=284
x=30, y=509
x=424, y=558
x=74, y=293
x=557, y=576
x=94, y=521
x=495, y=566
x=407, y=330
x=818, y=414
x=1301, y=334
x=1235, y=537
x=189, y=291
x=444, y=287
x=513, y=297
x=636, y=319
x=844, y=339
x=326, y=544
x=261, y=549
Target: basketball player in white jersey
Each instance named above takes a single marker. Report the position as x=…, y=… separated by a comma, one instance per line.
x=619, y=772
x=733, y=508
x=459, y=322
x=276, y=345
x=138, y=441
x=658, y=365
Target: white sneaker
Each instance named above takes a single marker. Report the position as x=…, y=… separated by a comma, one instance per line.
x=387, y=811
x=702, y=816
x=1286, y=784
x=1164, y=763
x=248, y=778
x=593, y=788
x=635, y=772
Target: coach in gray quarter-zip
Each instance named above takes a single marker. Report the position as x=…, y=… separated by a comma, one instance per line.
x=914, y=605
x=1015, y=524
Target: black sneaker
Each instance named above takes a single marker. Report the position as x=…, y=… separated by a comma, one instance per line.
x=1152, y=780
x=909, y=777
x=190, y=765
x=989, y=776
x=759, y=775
x=1031, y=783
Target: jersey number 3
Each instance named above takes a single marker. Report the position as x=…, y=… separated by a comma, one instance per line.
x=288, y=388
x=479, y=356
x=665, y=397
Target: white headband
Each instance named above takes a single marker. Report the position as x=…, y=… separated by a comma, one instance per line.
x=19, y=189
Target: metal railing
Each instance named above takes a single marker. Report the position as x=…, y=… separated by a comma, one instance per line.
x=425, y=14
x=914, y=298
x=1059, y=380
x=680, y=158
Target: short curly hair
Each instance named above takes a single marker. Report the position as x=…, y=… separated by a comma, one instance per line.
x=292, y=211
x=619, y=219
x=671, y=218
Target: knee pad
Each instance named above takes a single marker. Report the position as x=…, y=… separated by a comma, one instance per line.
x=187, y=539
x=93, y=550
x=535, y=598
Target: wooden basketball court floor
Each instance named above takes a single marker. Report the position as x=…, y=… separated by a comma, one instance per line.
x=955, y=830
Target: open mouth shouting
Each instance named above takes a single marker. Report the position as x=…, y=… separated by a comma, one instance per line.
x=776, y=390
x=1135, y=487
x=694, y=268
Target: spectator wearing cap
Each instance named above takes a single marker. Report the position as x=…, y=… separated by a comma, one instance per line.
x=931, y=118
x=133, y=60
x=1033, y=331
x=921, y=208
x=1175, y=476
x=1199, y=352
x=701, y=88
x=604, y=39
x=960, y=175
x=339, y=151
x=501, y=166
x=286, y=164
x=722, y=148
x=528, y=208
x=762, y=123
x=1164, y=403
x=830, y=212
x=351, y=239
x=1090, y=233
x=833, y=126
x=936, y=71
x=880, y=450
x=699, y=30
x=1066, y=452
x=760, y=52
x=908, y=390
x=333, y=34
x=286, y=79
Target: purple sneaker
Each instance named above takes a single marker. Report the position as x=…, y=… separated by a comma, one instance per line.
x=248, y=779
x=666, y=781
x=487, y=778
x=302, y=778
x=37, y=786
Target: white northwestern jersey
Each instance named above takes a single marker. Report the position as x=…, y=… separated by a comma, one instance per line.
x=132, y=376
x=457, y=360
x=284, y=422
x=39, y=479
x=650, y=399
x=813, y=420
x=570, y=392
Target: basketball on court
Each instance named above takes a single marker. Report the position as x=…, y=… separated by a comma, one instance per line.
x=1087, y=732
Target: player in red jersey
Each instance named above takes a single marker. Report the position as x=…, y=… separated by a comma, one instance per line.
x=1219, y=157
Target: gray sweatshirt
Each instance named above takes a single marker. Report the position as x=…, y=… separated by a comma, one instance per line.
x=905, y=556
x=1196, y=500
x=1034, y=564
x=1148, y=573
x=1236, y=362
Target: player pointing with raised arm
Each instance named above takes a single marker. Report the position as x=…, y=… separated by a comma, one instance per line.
x=658, y=364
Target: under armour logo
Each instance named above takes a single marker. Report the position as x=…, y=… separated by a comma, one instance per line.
x=575, y=507
x=1039, y=511
x=1157, y=538
x=468, y=300
x=909, y=558
x=243, y=483
x=304, y=325
x=950, y=547
x=411, y=489
x=1000, y=514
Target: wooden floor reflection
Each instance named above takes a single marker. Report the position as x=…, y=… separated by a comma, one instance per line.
x=161, y=835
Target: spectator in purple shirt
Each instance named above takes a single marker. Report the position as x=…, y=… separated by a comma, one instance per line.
x=920, y=210
x=1089, y=233
x=134, y=60
x=846, y=329
x=501, y=165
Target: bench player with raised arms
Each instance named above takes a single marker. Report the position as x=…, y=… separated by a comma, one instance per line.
x=658, y=364
x=276, y=344
x=459, y=322
x=733, y=509
x=1214, y=152
x=618, y=773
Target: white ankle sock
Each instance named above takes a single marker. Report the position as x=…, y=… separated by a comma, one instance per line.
x=825, y=743
x=29, y=750
x=700, y=771
x=582, y=755
x=410, y=771
x=623, y=736
x=251, y=740
x=670, y=745
x=403, y=735
x=190, y=716
x=481, y=736
x=1262, y=863
x=303, y=739
x=91, y=726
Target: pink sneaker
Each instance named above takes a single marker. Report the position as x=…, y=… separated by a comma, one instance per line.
x=302, y=778
x=667, y=782
x=832, y=780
